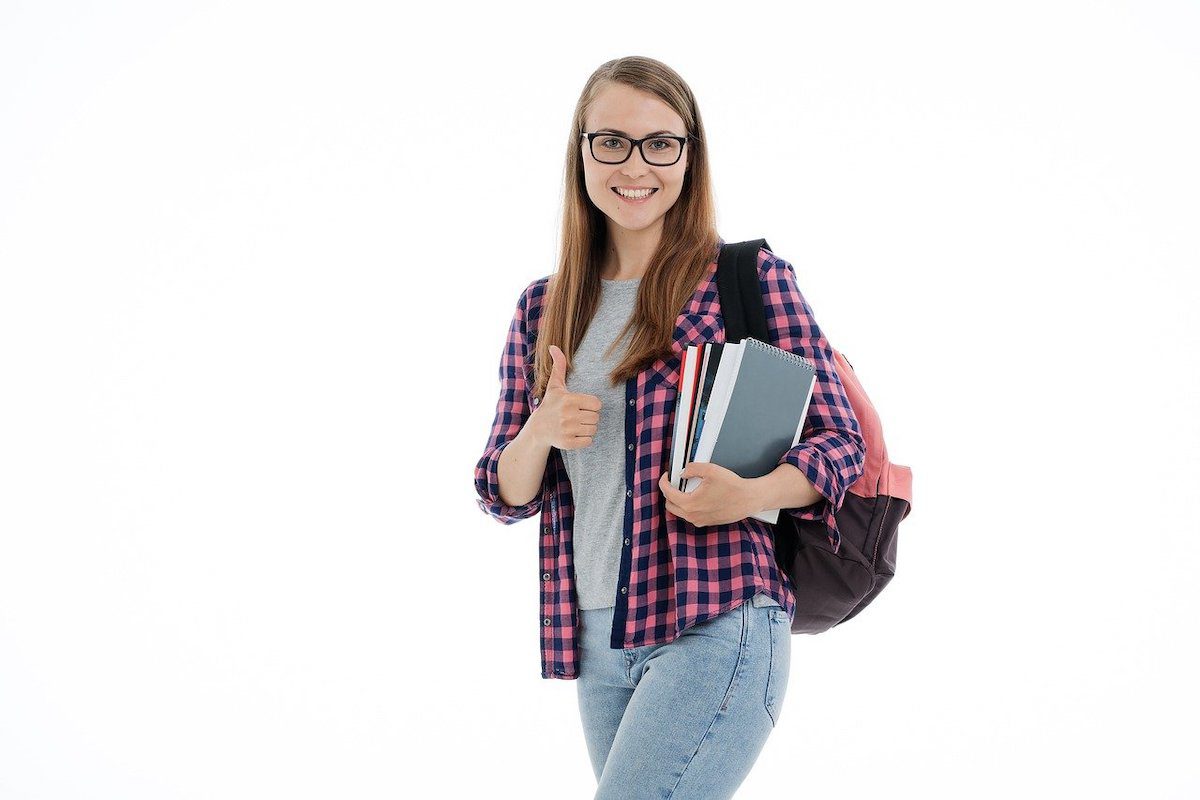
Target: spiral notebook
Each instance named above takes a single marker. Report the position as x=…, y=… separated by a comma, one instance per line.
x=733, y=409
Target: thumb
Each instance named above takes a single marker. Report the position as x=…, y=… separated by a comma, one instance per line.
x=558, y=373
x=695, y=469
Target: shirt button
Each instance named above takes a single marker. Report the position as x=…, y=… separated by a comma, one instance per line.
x=547, y=529
x=535, y=401
x=546, y=622
x=546, y=575
x=631, y=445
x=624, y=590
x=631, y=402
x=626, y=541
x=629, y=492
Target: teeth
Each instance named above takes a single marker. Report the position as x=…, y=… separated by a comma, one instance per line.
x=635, y=195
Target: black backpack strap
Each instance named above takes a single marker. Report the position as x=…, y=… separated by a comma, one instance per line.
x=740, y=291
x=744, y=314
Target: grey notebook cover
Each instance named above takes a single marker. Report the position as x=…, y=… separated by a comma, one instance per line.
x=760, y=422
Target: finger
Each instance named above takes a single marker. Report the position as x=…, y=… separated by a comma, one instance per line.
x=673, y=498
x=677, y=512
x=558, y=372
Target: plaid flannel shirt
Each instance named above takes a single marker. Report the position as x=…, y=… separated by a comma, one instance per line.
x=673, y=575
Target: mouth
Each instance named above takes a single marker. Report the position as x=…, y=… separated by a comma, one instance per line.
x=635, y=201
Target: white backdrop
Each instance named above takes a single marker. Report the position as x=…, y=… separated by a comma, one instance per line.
x=257, y=262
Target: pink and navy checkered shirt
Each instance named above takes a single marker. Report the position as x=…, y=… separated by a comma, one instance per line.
x=673, y=574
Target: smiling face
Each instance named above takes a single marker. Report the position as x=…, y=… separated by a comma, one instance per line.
x=634, y=113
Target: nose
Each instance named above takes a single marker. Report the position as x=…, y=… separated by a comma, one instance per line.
x=635, y=165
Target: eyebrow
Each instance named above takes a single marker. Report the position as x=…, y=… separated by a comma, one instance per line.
x=623, y=133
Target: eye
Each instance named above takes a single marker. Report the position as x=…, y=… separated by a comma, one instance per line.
x=605, y=142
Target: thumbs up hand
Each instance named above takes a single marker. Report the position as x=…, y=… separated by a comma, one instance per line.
x=565, y=419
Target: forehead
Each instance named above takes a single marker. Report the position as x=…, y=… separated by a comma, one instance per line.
x=634, y=111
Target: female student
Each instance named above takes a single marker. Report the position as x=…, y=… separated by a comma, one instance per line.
x=667, y=607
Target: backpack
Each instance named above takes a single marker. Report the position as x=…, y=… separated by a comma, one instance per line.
x=830, y=588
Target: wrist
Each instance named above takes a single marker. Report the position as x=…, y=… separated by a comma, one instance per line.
x=533, y=430
x=756, y=489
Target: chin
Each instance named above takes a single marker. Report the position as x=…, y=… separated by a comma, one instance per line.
x=648, y=224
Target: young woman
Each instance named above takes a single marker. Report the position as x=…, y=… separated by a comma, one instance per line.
x=667, y=607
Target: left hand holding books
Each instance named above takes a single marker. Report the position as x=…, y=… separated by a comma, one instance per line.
x=721, y=497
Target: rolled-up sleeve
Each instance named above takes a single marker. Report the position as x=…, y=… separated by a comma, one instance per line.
x=830, y=452
x=512, y=410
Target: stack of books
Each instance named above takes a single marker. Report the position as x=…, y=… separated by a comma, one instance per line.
x=739, y=406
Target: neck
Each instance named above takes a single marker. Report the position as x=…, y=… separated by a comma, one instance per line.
x=627, y=253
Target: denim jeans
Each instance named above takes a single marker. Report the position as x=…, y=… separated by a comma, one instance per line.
x=687, y=719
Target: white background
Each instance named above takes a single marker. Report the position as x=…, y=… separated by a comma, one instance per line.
x=258, y=261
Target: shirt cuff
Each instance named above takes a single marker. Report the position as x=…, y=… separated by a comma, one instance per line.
x=807, y=458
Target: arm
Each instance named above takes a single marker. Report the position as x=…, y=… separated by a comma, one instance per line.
x=524, y=468
x=785, y=487
x=830, y=454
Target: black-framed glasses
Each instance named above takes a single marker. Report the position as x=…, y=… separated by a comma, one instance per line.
x=659, y=151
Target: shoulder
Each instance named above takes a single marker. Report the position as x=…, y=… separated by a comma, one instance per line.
x=769, y=264
x=773, y=268
x=529, y=307
x=781, y=286
x=536, y=291
x=532, y=296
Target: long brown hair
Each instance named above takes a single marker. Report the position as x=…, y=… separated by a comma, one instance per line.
x=688, y=244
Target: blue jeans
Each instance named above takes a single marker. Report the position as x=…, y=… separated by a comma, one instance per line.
x=686, y=719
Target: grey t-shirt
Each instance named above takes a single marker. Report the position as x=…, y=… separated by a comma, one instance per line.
x=597, y=472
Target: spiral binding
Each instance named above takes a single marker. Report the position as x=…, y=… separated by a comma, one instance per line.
x=795, y=358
